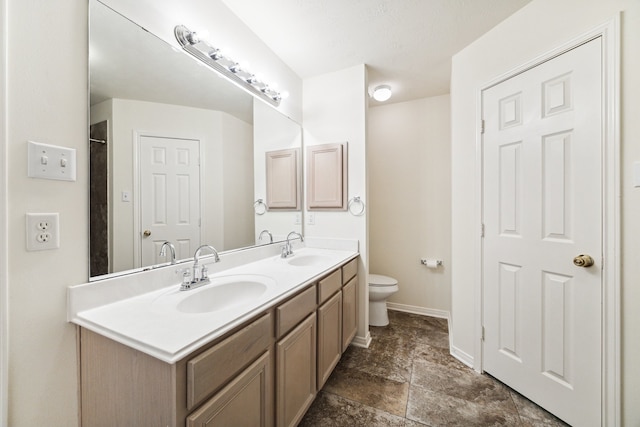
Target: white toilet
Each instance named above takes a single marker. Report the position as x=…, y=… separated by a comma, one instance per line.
x=380, y=288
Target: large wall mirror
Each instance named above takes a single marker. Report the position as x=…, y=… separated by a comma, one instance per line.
x=177, y=153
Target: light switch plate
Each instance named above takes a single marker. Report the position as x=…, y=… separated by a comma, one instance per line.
x=51, y=162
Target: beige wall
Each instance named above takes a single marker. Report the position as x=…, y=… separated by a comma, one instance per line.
x=409, y=158
x=273, y=131
x=47, y=102
x=537, y=28
x=237, y=183
x=335, y=110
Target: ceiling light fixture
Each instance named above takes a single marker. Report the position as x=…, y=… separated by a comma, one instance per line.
x=226, y=66
x=382, y=93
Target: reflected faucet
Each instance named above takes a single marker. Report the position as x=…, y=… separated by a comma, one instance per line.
x=266, y=232
x=203, y=278
x=163, y=251
x=287, y=250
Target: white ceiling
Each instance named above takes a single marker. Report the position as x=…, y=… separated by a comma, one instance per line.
x=407, y=44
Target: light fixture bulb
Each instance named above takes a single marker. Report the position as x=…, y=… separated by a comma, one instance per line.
x=382, y=93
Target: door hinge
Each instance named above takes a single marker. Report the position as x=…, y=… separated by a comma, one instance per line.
x=483, y=333
x=482, y=126
x=482, y=230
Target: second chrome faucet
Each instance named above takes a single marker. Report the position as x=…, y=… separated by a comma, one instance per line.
x=287, y=249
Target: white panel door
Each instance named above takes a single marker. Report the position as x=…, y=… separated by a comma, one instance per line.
x=542, y=206
x=169, y=196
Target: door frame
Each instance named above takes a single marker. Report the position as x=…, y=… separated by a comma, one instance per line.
x=4, y=255
x=611, y=337
x=137, y=208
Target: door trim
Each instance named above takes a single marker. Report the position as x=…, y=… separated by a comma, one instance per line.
x=137, y=208
x=4, y=257
x=611, y=344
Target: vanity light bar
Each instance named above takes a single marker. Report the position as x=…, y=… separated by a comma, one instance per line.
x=226, y=66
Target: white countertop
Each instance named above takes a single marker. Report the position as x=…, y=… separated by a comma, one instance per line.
x=126, y=310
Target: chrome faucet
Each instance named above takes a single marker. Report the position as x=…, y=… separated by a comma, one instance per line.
x=163, y=251
x=266, y=232
x=287, y=249
x=202, y=278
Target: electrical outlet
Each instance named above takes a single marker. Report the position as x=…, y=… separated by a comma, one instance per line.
x=43, y=231
x=311, y=218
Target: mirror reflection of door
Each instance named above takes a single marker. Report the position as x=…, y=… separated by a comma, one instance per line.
x=98, y=199
x=169, y=196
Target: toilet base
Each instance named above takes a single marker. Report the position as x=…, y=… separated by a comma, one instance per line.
x=378, y=315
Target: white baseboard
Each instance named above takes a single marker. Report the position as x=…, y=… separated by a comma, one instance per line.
x=443, y=314
x=463, y=357
x=363, y=342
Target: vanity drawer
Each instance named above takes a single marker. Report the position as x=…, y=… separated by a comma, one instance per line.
x=293, y=311
x=349, y=270
x=213, y=368
x=329, y=286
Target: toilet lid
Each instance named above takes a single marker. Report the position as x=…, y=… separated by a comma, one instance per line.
x=380, y=280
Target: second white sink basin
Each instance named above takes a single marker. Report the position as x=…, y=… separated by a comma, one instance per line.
x=224, y=293
x=307, y=260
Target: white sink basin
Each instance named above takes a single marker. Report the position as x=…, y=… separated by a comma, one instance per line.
x=307, y=260
x=224, y=293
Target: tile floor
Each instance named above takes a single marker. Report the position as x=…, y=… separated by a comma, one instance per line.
x=408, y=378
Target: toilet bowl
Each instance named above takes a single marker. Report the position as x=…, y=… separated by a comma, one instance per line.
x=380, y=288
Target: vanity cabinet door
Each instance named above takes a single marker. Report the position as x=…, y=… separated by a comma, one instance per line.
x=296, y=372
x=211, y=369
x=329, y=337
x=349, y=312
x=246, y=401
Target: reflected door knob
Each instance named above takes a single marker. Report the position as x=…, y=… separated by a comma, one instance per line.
x=583, y=261
x=147, y=233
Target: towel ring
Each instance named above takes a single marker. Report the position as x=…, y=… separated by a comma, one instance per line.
x=260, y=207
x=355, y=201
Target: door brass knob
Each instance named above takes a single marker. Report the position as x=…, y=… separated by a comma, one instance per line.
x=583, y=261
x=147, y=233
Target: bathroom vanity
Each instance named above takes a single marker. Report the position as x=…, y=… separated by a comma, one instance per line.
x=156, y=359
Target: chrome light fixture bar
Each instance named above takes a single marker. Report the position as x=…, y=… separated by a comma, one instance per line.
x=226, y=66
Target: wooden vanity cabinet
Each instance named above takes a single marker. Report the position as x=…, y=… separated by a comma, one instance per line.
x=349, y=303
x=295, y=357
x=296, y=373
x=246, y=401
x=329, y=337
x=265, y=372
x=121, y=386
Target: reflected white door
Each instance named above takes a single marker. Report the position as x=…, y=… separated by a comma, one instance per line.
x=542, y=206
x=169, y=196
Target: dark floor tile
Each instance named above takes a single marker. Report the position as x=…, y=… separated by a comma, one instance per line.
x=438, y=355
x=435, y=409
x=411, y=423
x=434, y=338
x=463, y=384
x=532, y=415
x=331, y=410
x=408, y=370
x=371, y=390
x=418, y=321
x=389, y=356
